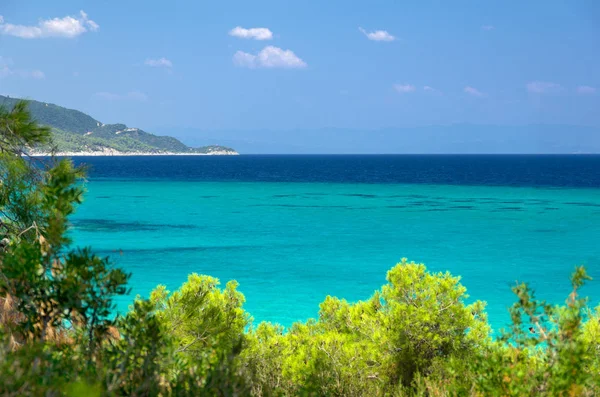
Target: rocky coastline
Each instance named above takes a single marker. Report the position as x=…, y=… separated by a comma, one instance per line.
x=113, y=152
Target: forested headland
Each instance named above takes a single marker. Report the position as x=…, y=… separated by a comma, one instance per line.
x=77, y=133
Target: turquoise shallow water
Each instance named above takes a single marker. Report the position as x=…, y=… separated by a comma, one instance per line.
x=291, y=244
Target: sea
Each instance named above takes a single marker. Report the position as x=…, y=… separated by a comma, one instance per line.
x=293, y=229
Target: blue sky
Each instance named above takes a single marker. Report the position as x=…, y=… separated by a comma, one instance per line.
x=306, y=64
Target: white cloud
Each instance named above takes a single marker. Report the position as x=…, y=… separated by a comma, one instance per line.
x=37, y=74
x=6, y=70
x=269, y=57
x=488, y=27
x=404, y=88
x=431, y=90
x=136, y=96
x=91, y=24
x=24, y=74
x=131, y=95
x=378, y=35
x=244, y=59
x=159, y=63
x=252, y=33
x=67, y=27
x=542, y=87
x=474, y=91
x=586, y=90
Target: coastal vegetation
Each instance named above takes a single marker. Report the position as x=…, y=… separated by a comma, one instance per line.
x=415, y=336
x=75, y=132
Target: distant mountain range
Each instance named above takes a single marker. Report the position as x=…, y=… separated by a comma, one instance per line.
x=76, y=133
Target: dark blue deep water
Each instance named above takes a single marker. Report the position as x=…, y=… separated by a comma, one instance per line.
x=508, y=170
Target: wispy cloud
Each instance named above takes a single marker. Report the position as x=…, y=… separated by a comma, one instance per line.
x=474, y=92
x=7, y=70
x=66, y=27
x=542, y=87
x=159, y=63
x=5, y=66
x=586, y=90
x=269, y=57
x=244, y=59
x=488, y=27
x=37, y=74
x=431, y=90
x=131, y=96
x=404, y=88
x=252, y=33
x=378, y=35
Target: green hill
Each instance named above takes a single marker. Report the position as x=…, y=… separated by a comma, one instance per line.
x=76, y=132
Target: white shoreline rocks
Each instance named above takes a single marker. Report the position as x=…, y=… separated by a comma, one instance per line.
x=113, y=152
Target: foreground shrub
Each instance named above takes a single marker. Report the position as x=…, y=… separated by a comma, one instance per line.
x=372, y=347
